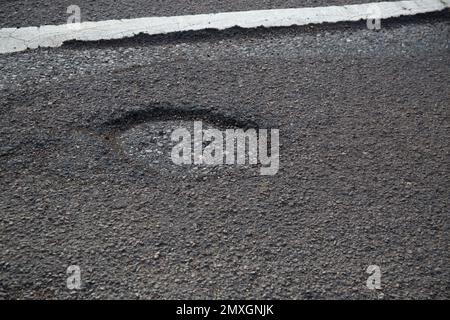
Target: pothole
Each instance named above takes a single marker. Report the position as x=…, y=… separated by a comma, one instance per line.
x=150, y=135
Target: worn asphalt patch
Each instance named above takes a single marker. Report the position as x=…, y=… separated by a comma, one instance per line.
x=145, y=134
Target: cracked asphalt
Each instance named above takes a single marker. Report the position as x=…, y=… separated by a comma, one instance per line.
x=364, y=166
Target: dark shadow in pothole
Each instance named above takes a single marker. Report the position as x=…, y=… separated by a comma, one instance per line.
x=161, y=112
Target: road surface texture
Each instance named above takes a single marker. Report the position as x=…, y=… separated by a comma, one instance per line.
x=364, y=165
x=22, y=13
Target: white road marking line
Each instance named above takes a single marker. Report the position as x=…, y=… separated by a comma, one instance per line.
x=19, y=39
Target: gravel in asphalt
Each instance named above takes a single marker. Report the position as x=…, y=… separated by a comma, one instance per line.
x=364, y=166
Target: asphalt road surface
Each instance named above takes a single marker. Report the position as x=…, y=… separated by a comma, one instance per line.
x=22, y=13
x=364, y=165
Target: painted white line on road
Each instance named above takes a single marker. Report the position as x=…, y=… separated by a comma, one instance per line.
x=19, y=39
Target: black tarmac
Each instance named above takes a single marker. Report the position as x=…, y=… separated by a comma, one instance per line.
x=364, y=165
